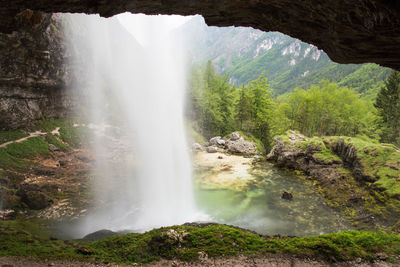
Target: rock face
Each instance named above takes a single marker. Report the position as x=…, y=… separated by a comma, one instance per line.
x=33, y=73
x=349, y=31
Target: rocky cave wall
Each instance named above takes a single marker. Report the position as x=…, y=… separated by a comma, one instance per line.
x=33, y=74
x=349, y=31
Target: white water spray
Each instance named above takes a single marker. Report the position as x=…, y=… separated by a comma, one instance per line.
x=135, y=97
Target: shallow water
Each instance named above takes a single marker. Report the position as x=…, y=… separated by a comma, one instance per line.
x=259, y=206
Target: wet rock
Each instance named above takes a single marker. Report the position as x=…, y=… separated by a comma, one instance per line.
x=287, y=195
x=212, y=149
x=196, y=147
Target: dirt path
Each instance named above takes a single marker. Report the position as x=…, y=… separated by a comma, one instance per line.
x=33, y=134
x=241, y=261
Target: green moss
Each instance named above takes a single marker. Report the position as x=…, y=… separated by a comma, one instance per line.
x=24, y=238
x=353, y=193
x=327, y=156
x=51, y=139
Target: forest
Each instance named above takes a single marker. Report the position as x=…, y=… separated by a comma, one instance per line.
x=215, y=107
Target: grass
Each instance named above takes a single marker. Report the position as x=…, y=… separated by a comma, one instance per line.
x=6, y=136
x=16, y=155
x=24, y=238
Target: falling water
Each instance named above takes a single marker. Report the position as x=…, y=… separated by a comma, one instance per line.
x=133, y=97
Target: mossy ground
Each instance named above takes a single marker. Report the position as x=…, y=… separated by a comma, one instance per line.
x=23, y=238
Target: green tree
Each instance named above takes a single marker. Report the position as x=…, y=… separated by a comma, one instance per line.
x=261, y=109
x=242, y=109
x=328, y=109
x=388, y=105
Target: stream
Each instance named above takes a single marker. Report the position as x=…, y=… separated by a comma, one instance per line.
x=239, y=192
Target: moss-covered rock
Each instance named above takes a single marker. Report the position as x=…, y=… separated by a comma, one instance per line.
x=356, y=177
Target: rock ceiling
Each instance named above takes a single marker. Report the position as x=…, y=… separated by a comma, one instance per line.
x=349, y=31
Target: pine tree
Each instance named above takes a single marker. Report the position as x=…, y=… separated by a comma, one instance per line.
x=242, y=108
x=260, y=109
x=388, y=104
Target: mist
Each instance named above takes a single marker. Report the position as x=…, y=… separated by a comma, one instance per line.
x=132, y=98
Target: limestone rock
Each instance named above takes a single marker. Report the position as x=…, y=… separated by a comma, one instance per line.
x=212, y=149
x=333, y=26
x=196, y=147
x=214, y=141
x=234, y=136
x=33, y=73
x=240, y=146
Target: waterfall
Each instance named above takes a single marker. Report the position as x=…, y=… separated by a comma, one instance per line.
x=132, y=98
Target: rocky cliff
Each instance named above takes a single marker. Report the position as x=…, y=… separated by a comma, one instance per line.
x=349, y=31
x=358, y=178
x=33, y=74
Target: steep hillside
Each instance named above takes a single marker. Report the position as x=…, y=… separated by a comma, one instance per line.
x=244, y=53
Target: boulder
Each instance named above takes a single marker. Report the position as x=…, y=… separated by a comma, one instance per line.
x=221, y=142
x=287, y=195
x=234, y=136
x=241, y=146
x=196, y=147
x=214, y=141
x=212, y=149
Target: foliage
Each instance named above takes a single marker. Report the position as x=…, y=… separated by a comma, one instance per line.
x=23, y=238
x=260, y=110
x=210, y=101
x=327, y=109
x=214, y=105
x=388, y=104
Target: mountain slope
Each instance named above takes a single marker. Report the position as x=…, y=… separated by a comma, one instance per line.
x=244, y=53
